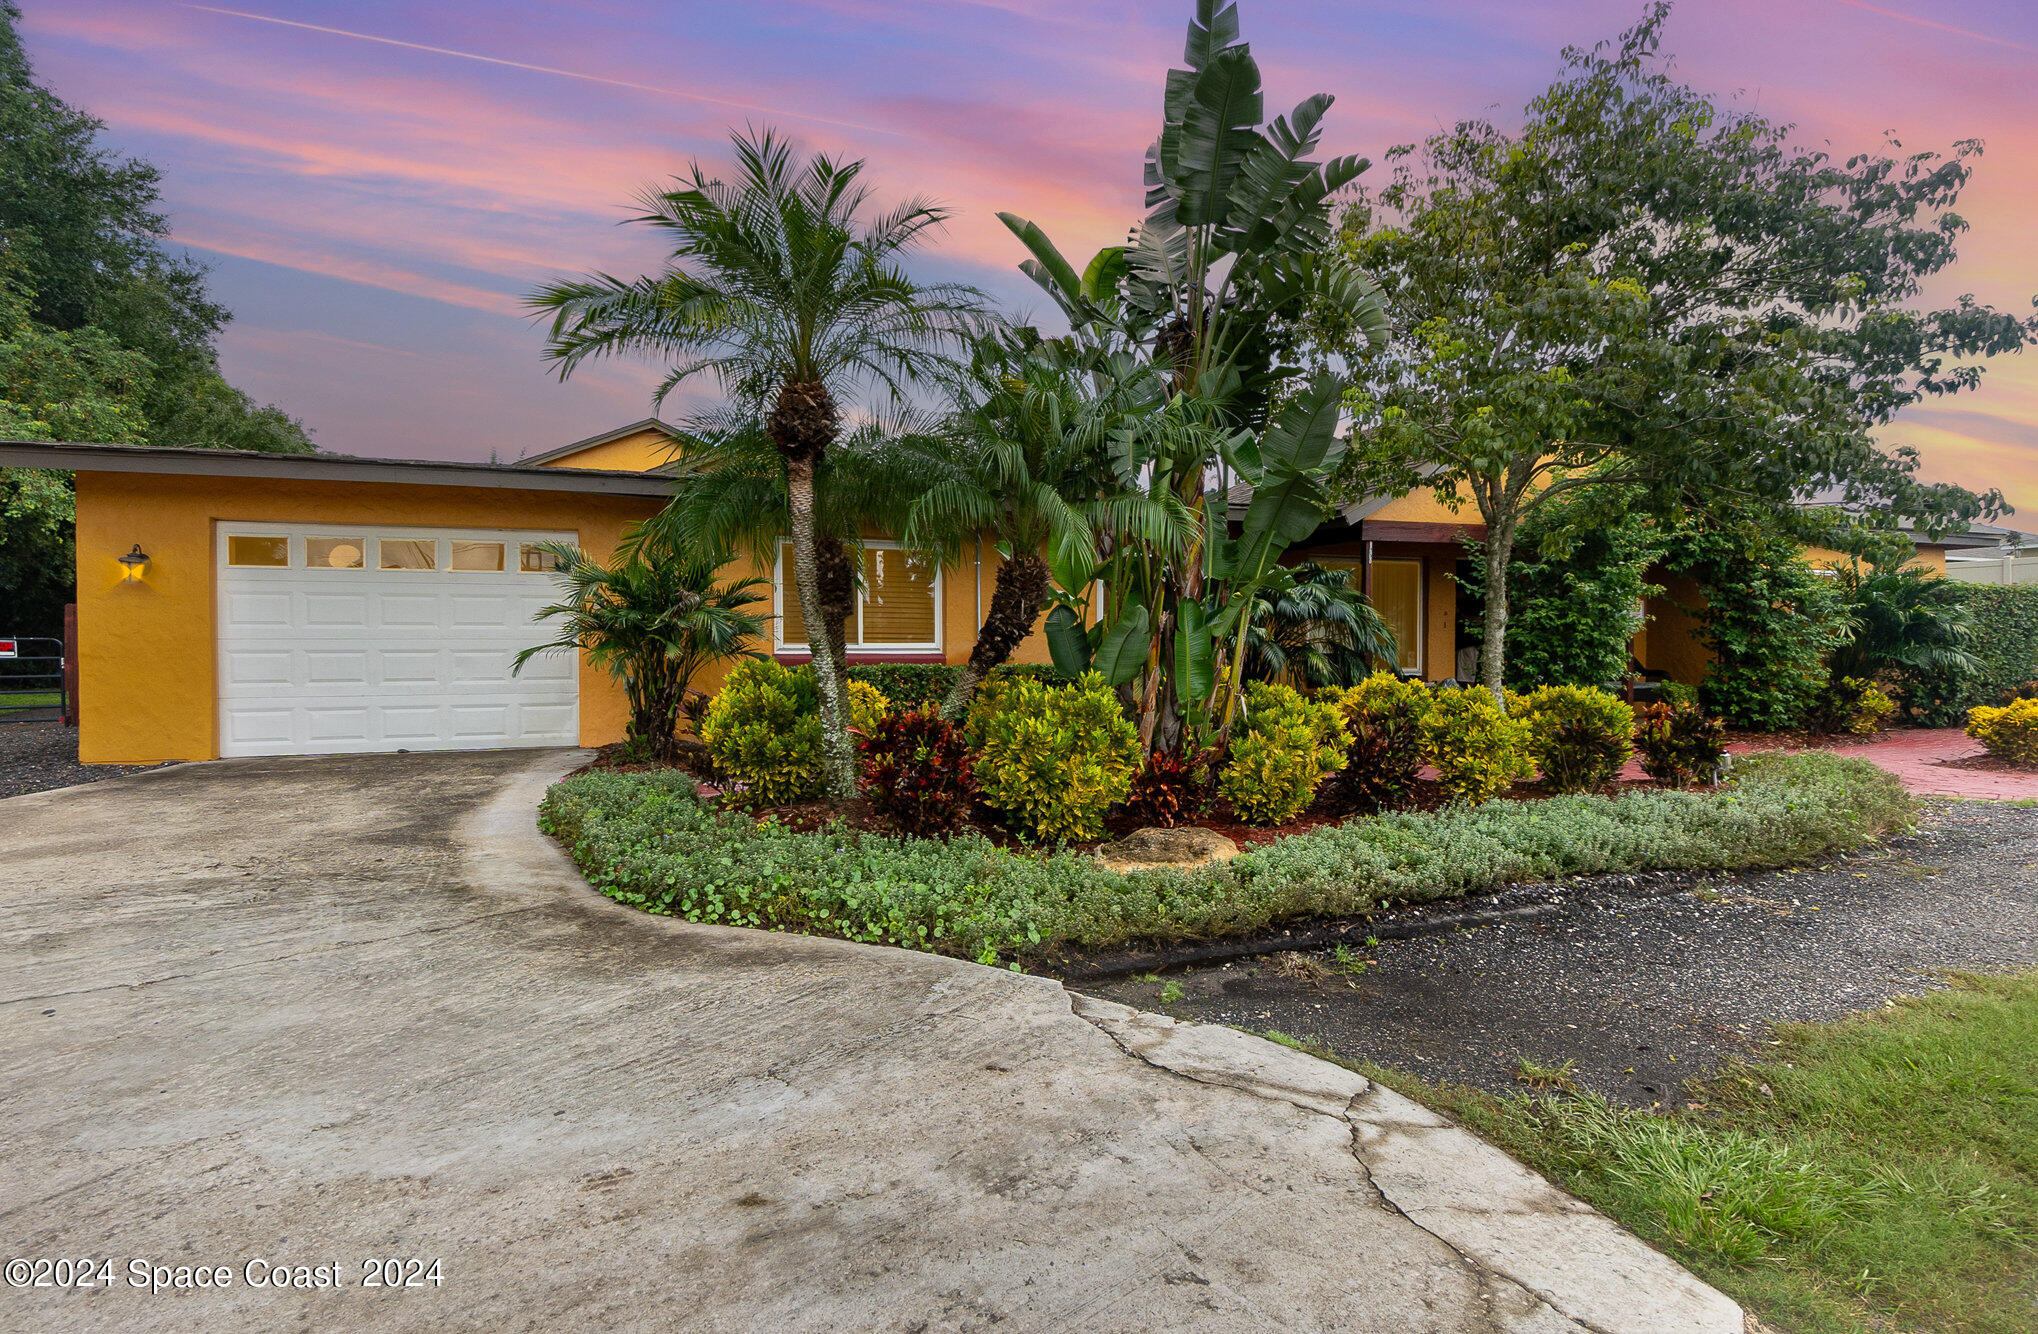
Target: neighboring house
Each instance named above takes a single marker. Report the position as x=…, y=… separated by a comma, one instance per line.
x=313, y=604
x=2011, y=559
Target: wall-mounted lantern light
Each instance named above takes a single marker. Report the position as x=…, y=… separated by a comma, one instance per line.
x=136, y=563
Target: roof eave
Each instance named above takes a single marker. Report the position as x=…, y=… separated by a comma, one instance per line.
x=69, y=457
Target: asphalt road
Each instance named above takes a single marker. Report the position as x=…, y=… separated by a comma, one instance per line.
x=1642, y=993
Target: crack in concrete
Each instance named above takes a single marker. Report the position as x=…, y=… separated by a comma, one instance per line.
x=428, y=929
x=1499, y=1287
x=1484, y=1277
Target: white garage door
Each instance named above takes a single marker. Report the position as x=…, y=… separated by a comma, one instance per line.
x=335, y=638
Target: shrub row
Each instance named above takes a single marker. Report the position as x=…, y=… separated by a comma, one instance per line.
x=1053, y=756
x=644, y=839
x=2005, y=639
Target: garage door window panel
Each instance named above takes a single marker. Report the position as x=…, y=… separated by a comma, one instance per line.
x=335, y=553
x=482, y=557
x=256, y=552
x=407, y=553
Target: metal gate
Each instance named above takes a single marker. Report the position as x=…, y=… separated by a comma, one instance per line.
x=33, y=679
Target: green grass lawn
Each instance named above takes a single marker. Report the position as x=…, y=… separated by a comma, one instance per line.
x=1878, y=1173
x=30, y=699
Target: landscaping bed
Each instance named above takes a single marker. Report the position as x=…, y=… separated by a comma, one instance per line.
x=648, y=839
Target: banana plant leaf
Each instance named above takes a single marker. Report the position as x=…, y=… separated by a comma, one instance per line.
x=1195, y=654
x=1068, y=643
x=1123, y=653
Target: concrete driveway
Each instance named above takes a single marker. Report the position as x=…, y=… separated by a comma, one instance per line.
x=329, y=1012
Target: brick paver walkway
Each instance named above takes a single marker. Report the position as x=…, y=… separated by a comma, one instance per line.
x=1919, y=757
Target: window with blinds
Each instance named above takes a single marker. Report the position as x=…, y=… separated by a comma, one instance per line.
x=897, y=607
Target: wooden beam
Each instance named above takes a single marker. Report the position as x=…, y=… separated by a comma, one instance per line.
x=1396, y=530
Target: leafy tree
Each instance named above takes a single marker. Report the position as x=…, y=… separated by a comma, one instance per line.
x=1576, y=585
x=83, y=236
x=784, y=288
x=105, y=336
x=62, y=386
x=652, y=620
x=1194, y=314
x=1645, y=288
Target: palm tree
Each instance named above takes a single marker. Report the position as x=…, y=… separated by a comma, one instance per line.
x=1025, y=459
x=734, y=494
x=785, y=289
x=652, y=620
x=1314, y=629
x=1906, y=622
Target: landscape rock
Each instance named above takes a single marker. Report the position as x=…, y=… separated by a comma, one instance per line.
x=1145, y=849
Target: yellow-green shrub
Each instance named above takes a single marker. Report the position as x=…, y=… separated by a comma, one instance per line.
x=1479, y=752
x=763, y=728
x=867, y=706
x=1850, y=704
x=1288, y=747
x=2010, y=732
x=1580, y=736
x=994, y=692
x=1052, y=759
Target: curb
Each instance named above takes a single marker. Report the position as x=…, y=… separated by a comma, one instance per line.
x=1546, y=899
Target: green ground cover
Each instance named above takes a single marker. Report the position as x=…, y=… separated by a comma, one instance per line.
x=30, y=699
x=647, y=840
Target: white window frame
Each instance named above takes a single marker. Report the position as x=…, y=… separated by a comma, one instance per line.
x=857, y=644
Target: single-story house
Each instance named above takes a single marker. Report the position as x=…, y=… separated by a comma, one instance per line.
x=237, y=604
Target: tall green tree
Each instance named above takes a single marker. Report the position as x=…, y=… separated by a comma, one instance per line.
x=783, y=285
x=85, y=241
x=1645, y=288
x=106, y=336
x=1233, y=250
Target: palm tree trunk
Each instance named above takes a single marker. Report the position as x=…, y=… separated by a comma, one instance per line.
x=836, y=577
x=1016, y=601
x=803, y=423
x=838, y=760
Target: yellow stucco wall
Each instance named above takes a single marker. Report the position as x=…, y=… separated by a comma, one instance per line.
x=147, y=662
x=1426, y=506
x=1931, y=559
x=641, y=452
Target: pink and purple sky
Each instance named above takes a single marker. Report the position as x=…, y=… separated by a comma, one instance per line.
x=376, y=182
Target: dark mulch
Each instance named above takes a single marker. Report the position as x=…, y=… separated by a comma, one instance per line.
x=1642, y=992
x=35, y=757
x=1427, y=796
x=1992, y=763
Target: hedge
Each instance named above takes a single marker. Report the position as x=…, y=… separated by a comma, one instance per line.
x=645, y=839
x=2005, y=639
x=910, y=683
